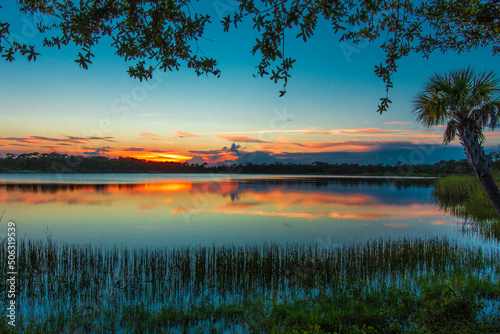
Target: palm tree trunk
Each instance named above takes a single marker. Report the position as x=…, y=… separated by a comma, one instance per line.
x=479, y=161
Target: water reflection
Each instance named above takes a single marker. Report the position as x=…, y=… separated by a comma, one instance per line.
x=476, y=213
x=186, y=211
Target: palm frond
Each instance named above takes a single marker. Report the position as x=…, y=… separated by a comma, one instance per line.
x=494, y=112
x=486, y=85
x=462, y=98
x=431, y=106
x=487, y=115
x=450, y=132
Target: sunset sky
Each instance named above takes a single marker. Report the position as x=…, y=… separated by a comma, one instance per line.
x=328, y=114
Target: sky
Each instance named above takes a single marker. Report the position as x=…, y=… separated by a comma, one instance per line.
x=328, y=114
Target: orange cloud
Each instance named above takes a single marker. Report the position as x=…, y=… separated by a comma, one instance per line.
x=423, y=135
x=220, y=155
x=183, y=134
x=397, y=122
x=492, y=135
x=317, y=132
x=241, y=139
x=256, y=132
x=62, y=140
x=318, y=147
x=379, y=133
x=369, y=131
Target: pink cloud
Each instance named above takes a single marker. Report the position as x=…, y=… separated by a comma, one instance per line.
x=319, y=146
x=64, y=139
x=492, y=135
x=241, y=139
x=317, y=132
x=183, y=134
x=368, y=131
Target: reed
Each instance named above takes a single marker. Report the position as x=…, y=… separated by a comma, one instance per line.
x=464, y=196
x=213, y=286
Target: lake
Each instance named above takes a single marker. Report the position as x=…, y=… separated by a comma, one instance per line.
x=137, y=210
x=289, y=243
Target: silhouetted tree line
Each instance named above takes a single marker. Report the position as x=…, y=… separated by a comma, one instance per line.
x=258, y=185
x=63, y=163
x=401, y=169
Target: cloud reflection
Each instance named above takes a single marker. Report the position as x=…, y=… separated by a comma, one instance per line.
x=272, y=198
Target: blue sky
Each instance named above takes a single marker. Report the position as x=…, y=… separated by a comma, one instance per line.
x=328, y=114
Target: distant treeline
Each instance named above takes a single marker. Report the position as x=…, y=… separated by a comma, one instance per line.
x=63, y=163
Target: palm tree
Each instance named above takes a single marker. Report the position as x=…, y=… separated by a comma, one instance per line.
x=468, y=102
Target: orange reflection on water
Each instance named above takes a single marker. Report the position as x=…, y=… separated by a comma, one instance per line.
x=358, y=212
x=310, y=199
x=224, y=197
x=163, y=187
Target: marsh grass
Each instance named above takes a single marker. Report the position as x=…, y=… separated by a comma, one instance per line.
x=65, y=287
x=464, y=197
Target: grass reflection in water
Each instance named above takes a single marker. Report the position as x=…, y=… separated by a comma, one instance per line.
x=464, y=197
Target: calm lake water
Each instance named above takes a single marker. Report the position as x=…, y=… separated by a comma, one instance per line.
x=203, y=209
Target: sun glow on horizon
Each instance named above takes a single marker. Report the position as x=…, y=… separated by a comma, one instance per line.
x=162, y=157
